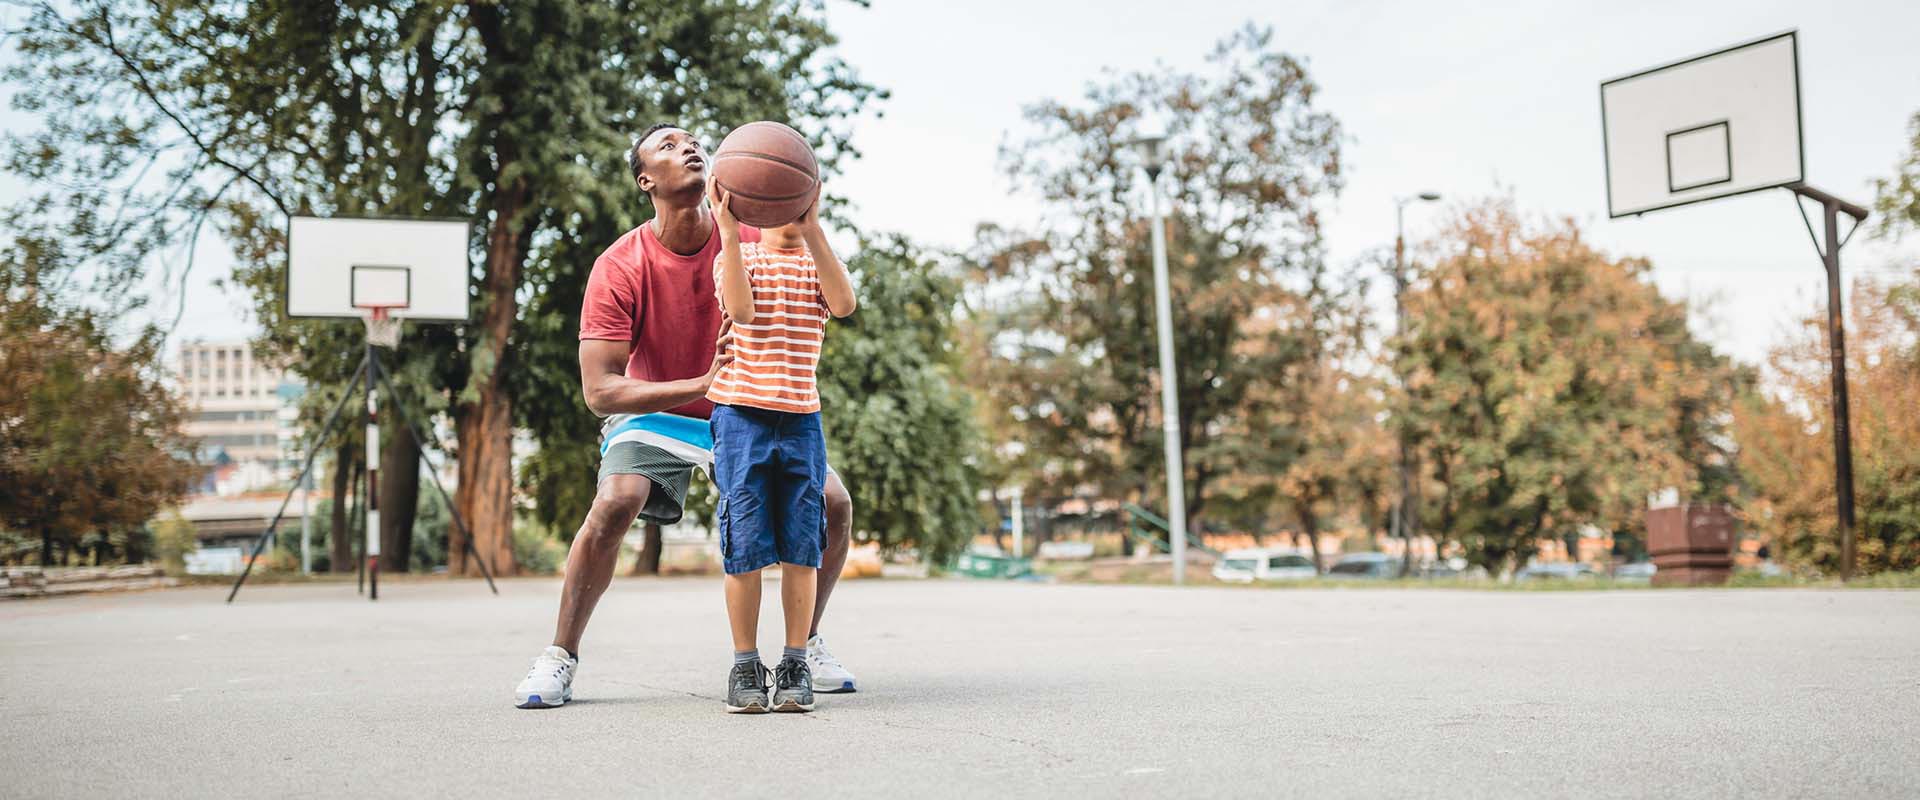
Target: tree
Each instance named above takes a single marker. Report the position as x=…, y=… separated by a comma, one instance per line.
x=89, y=432
x=1551, y=388
x=513, y=115
x=900, y=427
x=1067, y=309
x=1786, y=438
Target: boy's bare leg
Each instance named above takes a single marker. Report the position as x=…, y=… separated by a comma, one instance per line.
x=743, y=609
x=797, y=588
x=834, y=557
x=595, y=548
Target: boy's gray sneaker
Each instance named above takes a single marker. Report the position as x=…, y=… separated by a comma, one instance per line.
x=792, y=685
x=747, y=688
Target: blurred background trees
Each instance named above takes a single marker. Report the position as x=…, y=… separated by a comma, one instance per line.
x=1550, y=387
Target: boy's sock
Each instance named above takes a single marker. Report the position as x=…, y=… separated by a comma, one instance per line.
x=746, y=656
x=793, y=652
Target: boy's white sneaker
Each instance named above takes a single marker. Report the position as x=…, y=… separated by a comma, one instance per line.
x=829, y=676
x=550, y=683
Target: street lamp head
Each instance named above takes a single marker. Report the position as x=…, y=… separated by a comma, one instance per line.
x=1429, y=196
x=1152, y=148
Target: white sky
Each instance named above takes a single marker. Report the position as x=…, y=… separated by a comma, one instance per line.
x=1466, y=99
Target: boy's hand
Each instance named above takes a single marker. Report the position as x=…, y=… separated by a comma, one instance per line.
x=720, y=199
x=810, y=220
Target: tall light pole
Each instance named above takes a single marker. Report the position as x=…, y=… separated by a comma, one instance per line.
x=1153, y=158
x=1403, y=518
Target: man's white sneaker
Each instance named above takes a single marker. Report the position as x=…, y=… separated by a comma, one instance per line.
x=550, y=683
x=829, y=676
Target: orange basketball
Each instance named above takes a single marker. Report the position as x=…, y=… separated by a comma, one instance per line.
x=770, y=171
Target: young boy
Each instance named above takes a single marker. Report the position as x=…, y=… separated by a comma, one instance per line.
x=769, y=456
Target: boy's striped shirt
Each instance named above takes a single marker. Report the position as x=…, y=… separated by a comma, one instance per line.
x=774, y=357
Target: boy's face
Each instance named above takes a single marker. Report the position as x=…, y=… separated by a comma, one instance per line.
x=672, y=163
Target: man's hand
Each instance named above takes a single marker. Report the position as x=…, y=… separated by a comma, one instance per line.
x=722, y=354
x=720, y=200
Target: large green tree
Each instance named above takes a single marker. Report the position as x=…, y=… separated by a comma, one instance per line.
x=513, y=115
x=900, y=426
x=1551, y=388
x=1064, y=309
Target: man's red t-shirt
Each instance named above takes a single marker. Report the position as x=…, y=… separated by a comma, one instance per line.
x=662, y=304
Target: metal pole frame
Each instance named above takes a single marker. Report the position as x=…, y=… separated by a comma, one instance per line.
x=406, y=420
x=1837, y=351
x=305, y=468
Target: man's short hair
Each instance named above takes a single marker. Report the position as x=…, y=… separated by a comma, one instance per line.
x=633, y=153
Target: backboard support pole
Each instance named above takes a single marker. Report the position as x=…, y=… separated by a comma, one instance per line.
x=1831, y=208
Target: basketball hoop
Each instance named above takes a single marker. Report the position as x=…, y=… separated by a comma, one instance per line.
x=383, y=329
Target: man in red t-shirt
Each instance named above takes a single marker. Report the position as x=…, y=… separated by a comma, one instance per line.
x=651, y=341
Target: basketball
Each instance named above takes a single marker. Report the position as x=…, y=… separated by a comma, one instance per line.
x=770, y=171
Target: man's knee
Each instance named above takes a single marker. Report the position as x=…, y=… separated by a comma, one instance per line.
x=615, y=505
x=839, y=514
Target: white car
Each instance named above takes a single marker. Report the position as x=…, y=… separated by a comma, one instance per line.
x=1258, y=564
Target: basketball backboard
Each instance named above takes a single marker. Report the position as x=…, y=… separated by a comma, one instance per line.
x=1719, y=124
x=345, y=266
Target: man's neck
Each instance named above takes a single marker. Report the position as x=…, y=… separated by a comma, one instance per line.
x=683, y=229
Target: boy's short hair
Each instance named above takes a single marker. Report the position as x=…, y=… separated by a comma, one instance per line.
x=633, y=153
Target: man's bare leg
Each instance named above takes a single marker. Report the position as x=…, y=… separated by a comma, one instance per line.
x=596, y=547
x=834, y=557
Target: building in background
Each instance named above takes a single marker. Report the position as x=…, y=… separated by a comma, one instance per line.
x=245, y=421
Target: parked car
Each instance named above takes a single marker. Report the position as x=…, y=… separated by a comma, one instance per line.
x=1636, y=572
x=1555, y=571
x=1365, y=566
x=1257, y=564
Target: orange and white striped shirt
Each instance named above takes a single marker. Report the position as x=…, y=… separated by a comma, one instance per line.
x=774, y=357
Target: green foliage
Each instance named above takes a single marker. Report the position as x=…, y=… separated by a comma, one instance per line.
x=173, y=539
x=1897, y=198
x=513, y=115
x=1063, y=315
x=900, y=429
x=536, y=550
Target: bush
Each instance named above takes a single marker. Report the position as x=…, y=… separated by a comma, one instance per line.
x=172, y=541
x=535, y=550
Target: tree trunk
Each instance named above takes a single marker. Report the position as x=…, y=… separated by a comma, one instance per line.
x=1311, y=526
x=46, y=545
x=648, y=563
x=485, y=496
x=399, y=492
x=340, y=534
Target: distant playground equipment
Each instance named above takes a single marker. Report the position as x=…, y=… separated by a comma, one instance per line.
x=380, y=271
x=1142, y=523
x=1721, y=124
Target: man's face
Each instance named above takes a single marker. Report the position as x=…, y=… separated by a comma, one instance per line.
x=671, y=162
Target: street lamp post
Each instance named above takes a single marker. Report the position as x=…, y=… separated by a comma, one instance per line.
x=1153, y=158
x=1403, y=518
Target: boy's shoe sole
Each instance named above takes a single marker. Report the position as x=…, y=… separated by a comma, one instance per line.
x=842, y=687
x=752, y=709
x=792, y=707
x=535, y=701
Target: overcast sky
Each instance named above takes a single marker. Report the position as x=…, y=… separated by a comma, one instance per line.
x=1467, y=100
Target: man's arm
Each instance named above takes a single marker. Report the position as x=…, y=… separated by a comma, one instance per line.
x=604, y=381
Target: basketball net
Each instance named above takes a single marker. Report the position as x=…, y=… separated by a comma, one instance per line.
x=383, y=330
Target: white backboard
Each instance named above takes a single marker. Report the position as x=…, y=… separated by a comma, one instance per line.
x=337, y=266
x=1710, y=126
